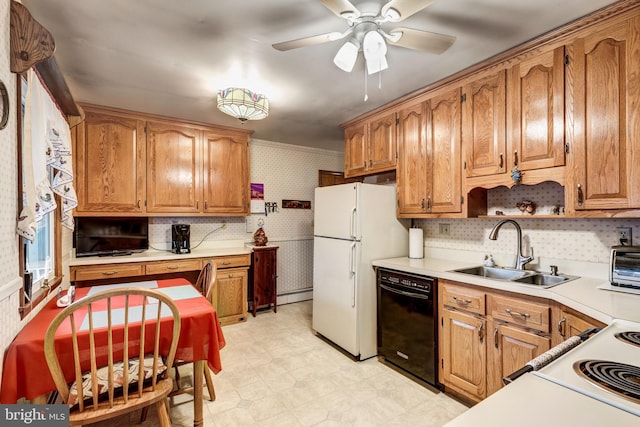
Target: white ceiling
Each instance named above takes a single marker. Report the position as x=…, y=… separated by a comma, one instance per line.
x=170, y=57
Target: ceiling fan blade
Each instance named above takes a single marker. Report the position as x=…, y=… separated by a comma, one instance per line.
x=342, y=8
x=404, y=8
x=310, y=41
x=422, y=40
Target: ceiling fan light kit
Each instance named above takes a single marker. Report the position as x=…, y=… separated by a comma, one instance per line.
x=365, y=33
x=243, y=104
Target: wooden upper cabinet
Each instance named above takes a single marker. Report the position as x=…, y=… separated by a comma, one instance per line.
x=411, y=173
x=484, y=125
x=535, y=98
x=443, y=153
x=370, y=146
x=606, y=118
x=110, y=163
x=226, y=173
x=382, y=143
x=173, y=168
x=355, y=150
x=428, y=170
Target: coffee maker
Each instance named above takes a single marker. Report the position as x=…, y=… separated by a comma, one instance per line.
x=180, y=238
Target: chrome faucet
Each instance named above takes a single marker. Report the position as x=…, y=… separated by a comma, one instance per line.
x=521, y=260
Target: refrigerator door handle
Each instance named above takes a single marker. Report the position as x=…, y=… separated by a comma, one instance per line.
x=354, y=213
x=352, y=267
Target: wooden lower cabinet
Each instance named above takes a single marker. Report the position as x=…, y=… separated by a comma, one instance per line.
x=483, y=336
x=568, y=323
x=463, y=353
x=509, y=348
x=230, y=295
x=264, y=278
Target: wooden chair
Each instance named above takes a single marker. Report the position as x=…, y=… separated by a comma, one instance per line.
x=205, y=284
x=108, y=389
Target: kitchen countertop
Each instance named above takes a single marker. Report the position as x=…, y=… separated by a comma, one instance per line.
x=581, y=294
x=207, y=249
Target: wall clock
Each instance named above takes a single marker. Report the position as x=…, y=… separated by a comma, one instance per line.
x=4, y=106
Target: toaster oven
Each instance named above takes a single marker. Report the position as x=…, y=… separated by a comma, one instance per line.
x=625, y=266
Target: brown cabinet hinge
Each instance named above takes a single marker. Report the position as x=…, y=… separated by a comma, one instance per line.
x=462, y=200
x=463, y=98
x=566, y=148
x=566, y=60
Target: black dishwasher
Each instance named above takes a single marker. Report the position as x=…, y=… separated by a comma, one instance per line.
x=407, y=330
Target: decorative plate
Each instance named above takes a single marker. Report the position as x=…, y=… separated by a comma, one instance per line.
x=4, y=106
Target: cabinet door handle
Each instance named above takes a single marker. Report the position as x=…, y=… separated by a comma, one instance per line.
x=515, y=313
x=422, y=203
x=580, y=195
x=226, y=262
x=461, y=301
x=429, y=203
x=495, y=337
x=109, y=273
x=501, y=160
x=138, y=203
x=370, y=163
x=561, y=327
x=206, y=204
x=197, y=204
x=172, y=267
x=515, y=158
x=481, y=331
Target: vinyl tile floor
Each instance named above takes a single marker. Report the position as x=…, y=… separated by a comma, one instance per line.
x=277, y=372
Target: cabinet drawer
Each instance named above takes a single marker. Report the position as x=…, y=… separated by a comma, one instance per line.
x=232, y=261
x=525, y=313
x=107, y=271
x=163, y=267
x=467, y=299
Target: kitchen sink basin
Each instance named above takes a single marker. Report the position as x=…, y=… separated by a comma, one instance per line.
x=495, y=272
x=525, y=277
x=544, y=280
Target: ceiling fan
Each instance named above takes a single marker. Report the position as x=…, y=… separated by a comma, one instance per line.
x=366, y=33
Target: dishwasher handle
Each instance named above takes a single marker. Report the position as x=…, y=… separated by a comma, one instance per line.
x=405, y=293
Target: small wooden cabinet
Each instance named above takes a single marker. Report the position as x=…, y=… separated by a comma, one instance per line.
x=264, y=268
x=486, y=335
x=370, y=145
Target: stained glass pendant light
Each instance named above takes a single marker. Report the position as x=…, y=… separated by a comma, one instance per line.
x=243, y=104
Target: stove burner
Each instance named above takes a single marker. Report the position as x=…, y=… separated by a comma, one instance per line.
x=630, y=337
x=615, y=377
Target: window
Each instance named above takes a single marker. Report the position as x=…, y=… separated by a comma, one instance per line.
x=42, y=258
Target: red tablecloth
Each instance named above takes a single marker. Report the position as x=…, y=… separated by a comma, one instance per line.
x=25, y=372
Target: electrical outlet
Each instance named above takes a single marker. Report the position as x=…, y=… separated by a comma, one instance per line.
x=624, y=236
x=249, y=224
x=444, y=229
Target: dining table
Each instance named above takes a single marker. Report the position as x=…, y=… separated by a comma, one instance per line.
x=25, y=373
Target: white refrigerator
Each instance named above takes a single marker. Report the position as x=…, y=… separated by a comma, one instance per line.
x=353, y=225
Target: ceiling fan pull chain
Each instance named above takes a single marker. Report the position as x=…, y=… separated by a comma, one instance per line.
x=366, y=96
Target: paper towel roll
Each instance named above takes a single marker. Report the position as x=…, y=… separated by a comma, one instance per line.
x=416, y=243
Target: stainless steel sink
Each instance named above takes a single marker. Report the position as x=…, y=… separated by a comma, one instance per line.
x=525, y=277
x=495, y=272
x=544, y=280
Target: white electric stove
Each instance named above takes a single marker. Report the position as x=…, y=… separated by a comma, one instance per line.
x=606, y=367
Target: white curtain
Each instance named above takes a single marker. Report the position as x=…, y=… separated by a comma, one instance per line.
x=47, y=142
